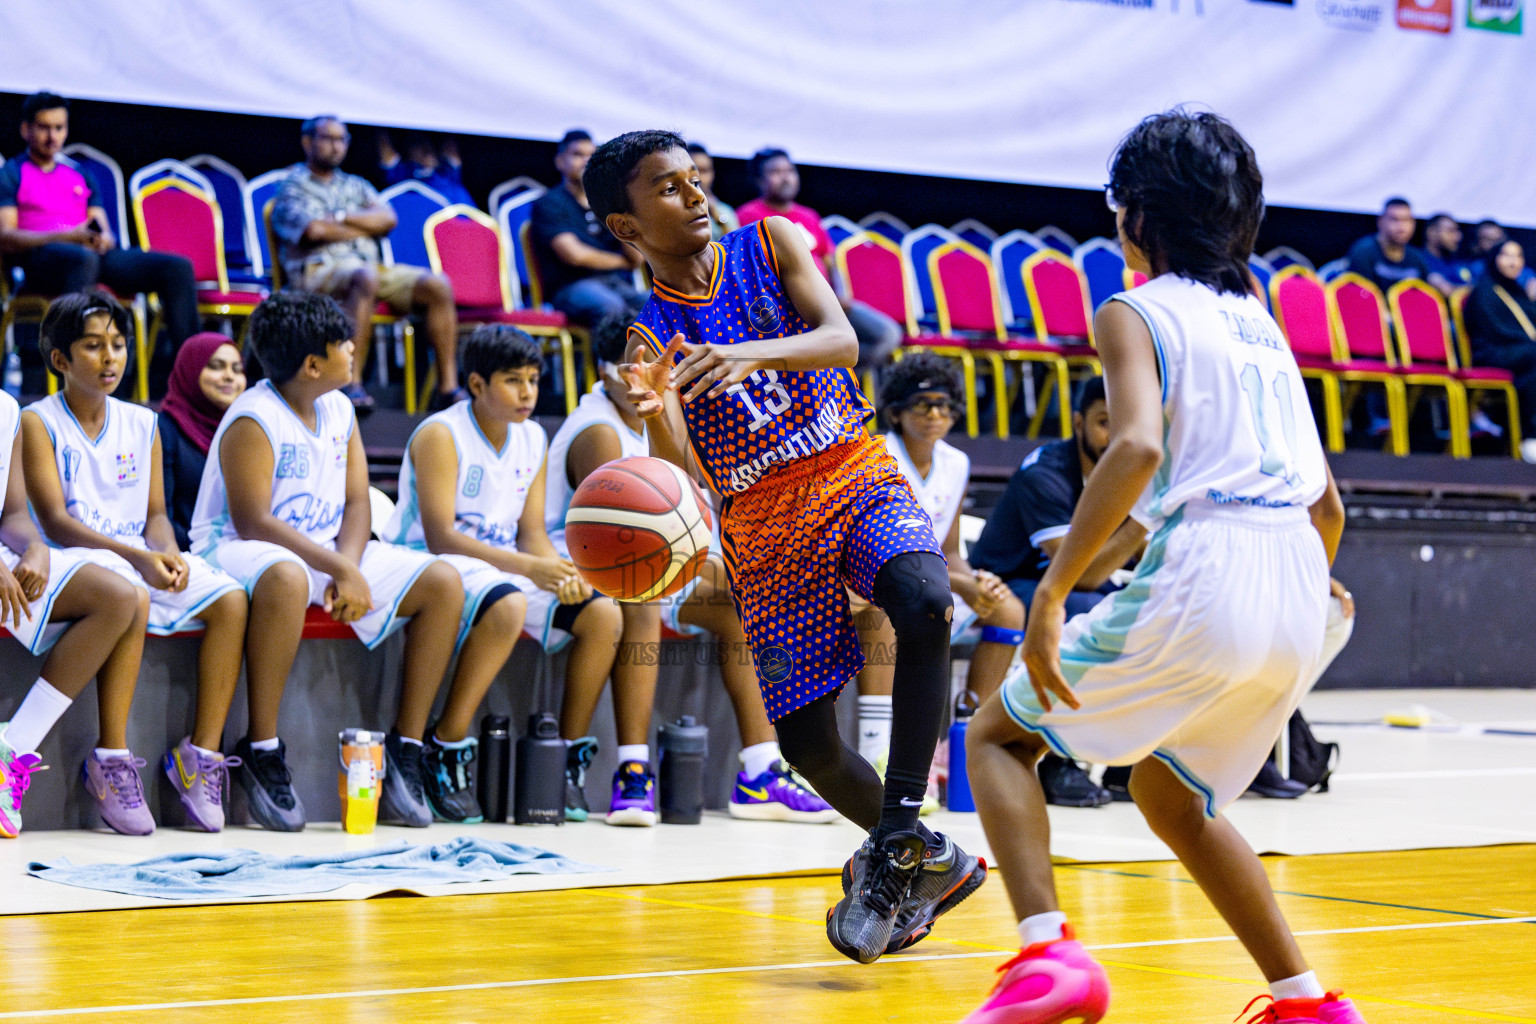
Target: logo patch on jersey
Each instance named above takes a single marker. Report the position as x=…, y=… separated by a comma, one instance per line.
x=764, y=314
x=774, y=664
x=127, y=469
x=911, y=524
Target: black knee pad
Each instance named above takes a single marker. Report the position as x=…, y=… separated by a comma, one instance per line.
x=913, y=591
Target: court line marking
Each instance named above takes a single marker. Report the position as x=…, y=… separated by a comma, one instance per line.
x=311, y=997
x=1445, y=773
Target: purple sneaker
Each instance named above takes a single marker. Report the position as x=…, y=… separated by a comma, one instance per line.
x=634, y=796
x=776, y=796
x=200, y=781
x=115, y=785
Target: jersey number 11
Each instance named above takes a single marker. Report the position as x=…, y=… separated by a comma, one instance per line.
x=1279, y=454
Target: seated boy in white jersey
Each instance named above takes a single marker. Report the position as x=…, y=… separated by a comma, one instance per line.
x=283, y=508
x=1191, y=670
x=607, y=427
x=94, y=482
x=922, y=396
x=88, y=620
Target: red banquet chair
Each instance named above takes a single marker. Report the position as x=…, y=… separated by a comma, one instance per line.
x=1365, y=355
x=1061, y=303
x=1301, y=307
x=1483, y=379
x=965, y=299
x=466, y=246
x=1429, y=358
x=872, y=268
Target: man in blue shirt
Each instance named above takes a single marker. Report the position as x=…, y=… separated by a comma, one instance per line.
x=1442, y=240
x=1386, y=257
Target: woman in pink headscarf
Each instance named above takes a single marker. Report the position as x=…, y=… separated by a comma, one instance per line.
x=209, y=374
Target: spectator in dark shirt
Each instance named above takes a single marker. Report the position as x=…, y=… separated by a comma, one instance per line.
x=1027, y=525
x=722, y=217
x=1442, y=239
x=53, y=226
x=1490, y=234
x=778, y=181
x=435, y=165
x=1386, y=258
x=587, y=273
x=209, y=374
x=1501, y=324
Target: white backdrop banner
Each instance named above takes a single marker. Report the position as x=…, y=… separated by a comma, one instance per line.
x=1346, y=101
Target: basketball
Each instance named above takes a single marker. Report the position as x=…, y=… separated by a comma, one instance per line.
x=638, y=529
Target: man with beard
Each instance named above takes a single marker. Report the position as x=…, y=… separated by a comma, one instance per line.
x=328, y=224
x=1025, y=529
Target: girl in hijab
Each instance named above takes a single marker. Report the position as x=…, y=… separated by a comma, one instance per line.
x=1501, y=324
x=209, y=374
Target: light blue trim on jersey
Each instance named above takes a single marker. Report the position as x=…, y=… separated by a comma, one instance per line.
x=392, y=622
x=41, y=643
x=106, y=421
x=1157, y=337
x=476, y=423
x=318, y=432
x=1190, y=779
x=217, y=524
x=182, y=623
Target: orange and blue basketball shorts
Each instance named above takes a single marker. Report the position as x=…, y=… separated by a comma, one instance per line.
x=795, y=542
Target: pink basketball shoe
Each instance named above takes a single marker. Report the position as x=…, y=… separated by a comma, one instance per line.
x=1333, y=1008
x=1048, y=983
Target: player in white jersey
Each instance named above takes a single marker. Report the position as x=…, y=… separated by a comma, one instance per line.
x=86, y=618
x=284, y=509
x=94, y=482
x=1191, y=670
x=921, y=396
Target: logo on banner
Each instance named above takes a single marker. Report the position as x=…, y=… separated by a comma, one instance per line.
x=1424, y=15
x=1145, y=5
x=1358, y=15
x=1494, y=15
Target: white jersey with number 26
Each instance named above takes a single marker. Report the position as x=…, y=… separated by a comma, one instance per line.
x=1237, y=427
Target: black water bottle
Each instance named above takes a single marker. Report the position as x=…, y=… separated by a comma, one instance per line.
x=538, y=793
x=683, y=744
x=495, y=766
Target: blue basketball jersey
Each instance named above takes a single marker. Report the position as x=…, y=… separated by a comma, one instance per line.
x=775, y=417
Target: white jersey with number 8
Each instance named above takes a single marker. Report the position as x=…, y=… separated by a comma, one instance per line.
x=1237, y=427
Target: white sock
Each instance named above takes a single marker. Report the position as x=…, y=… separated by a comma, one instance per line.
x=1303, y=986
x=635, y=752
x=759, y=757
x=407, y=739
x=270, y=744
x=105, y=753
x=451, y=744
x=206, y=753
x=1046, y=927
x=874, y=727
x=40, y=709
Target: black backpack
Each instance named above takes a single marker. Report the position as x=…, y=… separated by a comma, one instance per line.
x=1312, y=761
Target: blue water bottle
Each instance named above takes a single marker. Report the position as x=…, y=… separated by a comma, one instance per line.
x=959, y=781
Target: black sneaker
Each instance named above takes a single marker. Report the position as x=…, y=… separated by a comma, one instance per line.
x=1117, y=779
x=449, y=784
x=578, y=758
x=1066, y=784
x=1271, y=784
x=404, y=798
x=269, y=788
x=860, y=926
x=945, y=878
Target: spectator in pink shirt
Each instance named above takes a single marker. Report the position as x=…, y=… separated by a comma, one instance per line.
x=53, y=226
x=778, y=182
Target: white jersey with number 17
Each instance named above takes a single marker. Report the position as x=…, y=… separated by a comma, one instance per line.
x=1237, y=428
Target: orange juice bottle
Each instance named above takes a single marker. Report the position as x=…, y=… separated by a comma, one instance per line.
x=362, y=766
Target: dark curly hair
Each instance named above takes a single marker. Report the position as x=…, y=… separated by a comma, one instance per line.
x=610, y=335
x=917, y=374
x=491, y=348
x=612, y=167
x=65, y=322
x=292, y=326
x=1192, y=194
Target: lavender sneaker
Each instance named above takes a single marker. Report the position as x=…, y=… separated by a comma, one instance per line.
x=634, y=796
x=776, y=796
x=114, y=784
x=200, y=781
x=16, y=768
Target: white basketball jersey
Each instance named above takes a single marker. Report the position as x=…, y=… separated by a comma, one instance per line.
x=492, y=486
x=595, y=407
x=309, y=479
x=942, y=491
x=10, y=424
x=106, y=478
x=1237, y=428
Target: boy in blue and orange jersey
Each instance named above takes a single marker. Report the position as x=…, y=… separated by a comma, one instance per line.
x=742, y=375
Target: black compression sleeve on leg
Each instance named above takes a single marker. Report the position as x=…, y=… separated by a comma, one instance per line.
x=810, y=742
x=913, y=591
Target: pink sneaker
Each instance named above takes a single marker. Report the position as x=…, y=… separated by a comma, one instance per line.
x=1333, y=1008
x=1048, y=983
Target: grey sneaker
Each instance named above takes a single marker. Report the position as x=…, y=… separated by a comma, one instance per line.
x=404, y=799
x=578, y=758
x=200, y=781
x=946, y=877
x=118, y=792
x=268, y=787
x=859, y=927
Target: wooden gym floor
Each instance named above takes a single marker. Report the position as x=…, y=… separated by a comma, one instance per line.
x=1416, y=937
